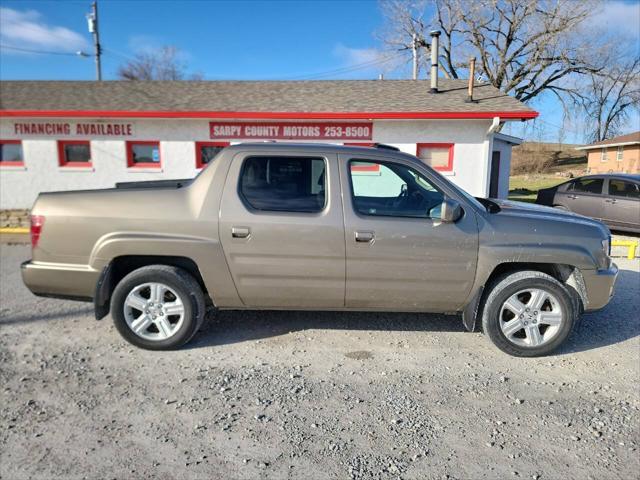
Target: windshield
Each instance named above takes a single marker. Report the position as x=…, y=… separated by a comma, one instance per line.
x=470, y=198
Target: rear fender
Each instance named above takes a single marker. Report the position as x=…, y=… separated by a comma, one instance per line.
x=205, y=252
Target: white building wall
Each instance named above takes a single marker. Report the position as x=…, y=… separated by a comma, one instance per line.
x=19, y=186
x=468, y=136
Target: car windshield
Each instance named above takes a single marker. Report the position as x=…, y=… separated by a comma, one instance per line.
x=470, y=198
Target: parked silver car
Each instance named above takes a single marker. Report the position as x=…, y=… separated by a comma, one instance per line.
x=611, y=198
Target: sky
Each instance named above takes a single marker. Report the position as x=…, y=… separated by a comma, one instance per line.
x=241, y=40
x=220, y=40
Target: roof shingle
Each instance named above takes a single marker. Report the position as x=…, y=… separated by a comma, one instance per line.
x=629, y=138
x=365, y=96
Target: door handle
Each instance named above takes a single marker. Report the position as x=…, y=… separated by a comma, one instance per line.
x=572, y=197
x=365, y=237
x=611, y=200
x=240, y=232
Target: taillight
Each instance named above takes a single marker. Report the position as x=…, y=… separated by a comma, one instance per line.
x=37, y=222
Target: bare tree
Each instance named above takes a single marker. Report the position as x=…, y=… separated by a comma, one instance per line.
x=404, y=20
x=610, y=98
x=162, y=64
x=524, y=47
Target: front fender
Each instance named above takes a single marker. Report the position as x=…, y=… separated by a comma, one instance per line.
x=492, y=257
x=566, y=259
x=575, y=255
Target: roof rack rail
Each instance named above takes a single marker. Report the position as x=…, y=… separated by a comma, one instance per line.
x=383, y=146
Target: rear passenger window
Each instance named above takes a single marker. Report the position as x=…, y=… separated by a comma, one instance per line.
x=285, y=184
x=587, y=185
x=620, y=188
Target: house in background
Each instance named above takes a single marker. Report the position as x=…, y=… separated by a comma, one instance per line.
x=616, y=155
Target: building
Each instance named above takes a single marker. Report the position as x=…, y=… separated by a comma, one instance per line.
x=68, y=135
x=616, y=155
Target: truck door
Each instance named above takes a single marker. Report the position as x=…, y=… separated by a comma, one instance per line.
x=399, y=254
x=282, y=230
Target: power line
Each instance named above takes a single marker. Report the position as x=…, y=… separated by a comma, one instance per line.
x=348, y=69
x=44, y=52
x=571, y=130
x=118, y=54
x=309, y=76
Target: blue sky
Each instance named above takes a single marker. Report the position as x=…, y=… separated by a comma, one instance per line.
x=225, y=40
x=236, y=40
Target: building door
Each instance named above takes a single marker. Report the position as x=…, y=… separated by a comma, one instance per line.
x=399, y=254
x=494, y=183
x=282, y=230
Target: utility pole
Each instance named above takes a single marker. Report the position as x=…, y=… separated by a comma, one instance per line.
x=414, y=50
x=92, y=20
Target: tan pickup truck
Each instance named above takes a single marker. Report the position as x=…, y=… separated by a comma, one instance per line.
x=318, y=227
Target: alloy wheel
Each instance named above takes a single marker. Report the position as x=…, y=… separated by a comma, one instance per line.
x=154, y=311
x=531, y=317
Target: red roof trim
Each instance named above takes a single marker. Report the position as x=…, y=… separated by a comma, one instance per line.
x=268, y=115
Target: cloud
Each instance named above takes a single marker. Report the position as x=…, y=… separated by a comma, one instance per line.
x=619, y=17
x=151, y=45
x=27, y=29
x=356, y=56
x=366, y=61
x=144, y=43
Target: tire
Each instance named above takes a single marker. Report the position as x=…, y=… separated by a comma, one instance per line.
x=167, y=324
x=543, y=304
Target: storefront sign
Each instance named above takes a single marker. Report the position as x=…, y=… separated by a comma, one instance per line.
x=291, y=130
x=83, y=129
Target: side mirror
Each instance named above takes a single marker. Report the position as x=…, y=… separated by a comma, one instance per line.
x=450, y=211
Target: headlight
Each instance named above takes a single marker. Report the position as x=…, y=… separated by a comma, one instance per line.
x=604, y=260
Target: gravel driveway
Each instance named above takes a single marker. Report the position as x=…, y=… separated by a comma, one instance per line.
x=313, y=395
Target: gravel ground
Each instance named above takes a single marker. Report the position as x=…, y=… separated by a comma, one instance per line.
x=313, y=395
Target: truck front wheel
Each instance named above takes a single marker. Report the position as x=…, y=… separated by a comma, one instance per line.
x=158, y=307
x=528, y=313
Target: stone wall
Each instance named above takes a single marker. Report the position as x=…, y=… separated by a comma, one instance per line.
x=14, y=218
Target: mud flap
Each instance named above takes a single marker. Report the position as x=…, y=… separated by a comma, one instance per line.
x=470, y=313
x=102, y=295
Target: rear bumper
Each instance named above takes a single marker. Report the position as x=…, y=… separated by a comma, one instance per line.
x=62, y=280
x=600, y=286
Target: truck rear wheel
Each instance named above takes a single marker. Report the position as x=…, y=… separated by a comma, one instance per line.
x=158, y=307
x=528, y=314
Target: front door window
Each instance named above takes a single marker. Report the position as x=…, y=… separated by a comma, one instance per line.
x=395, y=190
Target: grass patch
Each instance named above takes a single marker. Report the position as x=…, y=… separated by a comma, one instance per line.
x=524, y=188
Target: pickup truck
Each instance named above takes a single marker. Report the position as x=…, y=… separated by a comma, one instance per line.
x=318, y=227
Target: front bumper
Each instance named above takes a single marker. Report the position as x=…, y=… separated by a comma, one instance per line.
x=600, y=286
x=62, y=280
